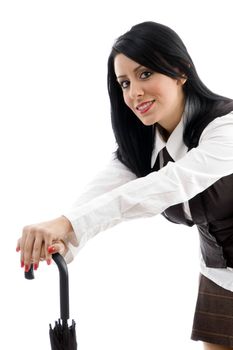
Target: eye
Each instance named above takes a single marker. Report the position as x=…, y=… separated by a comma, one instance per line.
x=145, y=74
x=124, y=84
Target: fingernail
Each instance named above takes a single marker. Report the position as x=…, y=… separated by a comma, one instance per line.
x=22, y=263
x=27, y=268
x=35, y=266
x=51, y=249
x=17, y=249
x=49, y=261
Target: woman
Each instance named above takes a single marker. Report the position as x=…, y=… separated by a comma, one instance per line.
x=174, y=156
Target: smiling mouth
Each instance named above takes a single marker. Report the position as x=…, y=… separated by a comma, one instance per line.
x=145, y=106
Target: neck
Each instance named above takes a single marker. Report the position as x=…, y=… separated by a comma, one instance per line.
x=171, y=123
x=163, y=132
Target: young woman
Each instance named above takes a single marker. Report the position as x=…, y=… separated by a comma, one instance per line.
x=174, y=156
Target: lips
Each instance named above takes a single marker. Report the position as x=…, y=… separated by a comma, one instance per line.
x=144, y=106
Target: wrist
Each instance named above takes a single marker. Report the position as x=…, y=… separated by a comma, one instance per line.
x=70, y=236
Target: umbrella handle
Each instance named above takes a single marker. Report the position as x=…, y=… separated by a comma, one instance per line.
x=64, y=284
x=29, y=275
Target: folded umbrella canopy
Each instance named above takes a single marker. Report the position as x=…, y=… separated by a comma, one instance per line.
x=62, y=336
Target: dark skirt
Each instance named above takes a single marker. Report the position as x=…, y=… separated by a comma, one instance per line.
x=213, y=319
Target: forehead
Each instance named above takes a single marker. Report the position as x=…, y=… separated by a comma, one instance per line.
x=123, y=65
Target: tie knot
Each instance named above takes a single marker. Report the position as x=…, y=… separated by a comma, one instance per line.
x=162, y=159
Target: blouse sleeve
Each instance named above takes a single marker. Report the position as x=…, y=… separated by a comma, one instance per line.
x=114, y=175
x=177, y=182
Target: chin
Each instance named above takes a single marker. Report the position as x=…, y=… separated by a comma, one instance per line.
x=147, y=122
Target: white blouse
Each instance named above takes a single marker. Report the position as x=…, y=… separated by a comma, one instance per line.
x=116, y=194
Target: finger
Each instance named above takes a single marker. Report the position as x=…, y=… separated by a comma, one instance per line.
x=18, y=245
x=36, y=254
x=57, y=247
x=48, y=242
x=22, y=244
x=28, y=251
x=42, y=253
x=17, y=250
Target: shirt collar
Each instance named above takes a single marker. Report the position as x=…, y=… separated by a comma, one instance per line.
x=175, y=145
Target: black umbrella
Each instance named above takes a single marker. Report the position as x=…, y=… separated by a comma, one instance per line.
x=62, y=336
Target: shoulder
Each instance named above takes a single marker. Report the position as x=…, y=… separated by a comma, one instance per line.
x=220, y=126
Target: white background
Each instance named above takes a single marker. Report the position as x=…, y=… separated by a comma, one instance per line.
x=55, y=135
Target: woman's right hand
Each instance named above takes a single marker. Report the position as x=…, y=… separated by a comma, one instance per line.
x=39, y=241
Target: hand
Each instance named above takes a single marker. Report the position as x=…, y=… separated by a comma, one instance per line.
x=39, y=241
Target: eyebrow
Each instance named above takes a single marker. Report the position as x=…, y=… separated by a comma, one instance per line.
x=134, y=70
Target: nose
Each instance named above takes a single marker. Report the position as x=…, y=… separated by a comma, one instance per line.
x=135, y=90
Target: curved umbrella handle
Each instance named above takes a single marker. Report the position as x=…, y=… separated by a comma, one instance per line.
x=29, y=275
x=64, y=284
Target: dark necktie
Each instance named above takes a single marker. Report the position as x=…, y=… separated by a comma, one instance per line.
x=166, y=158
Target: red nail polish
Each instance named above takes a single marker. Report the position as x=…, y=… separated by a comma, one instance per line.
x=27, y=268
x=49, y=261
x=51, y=250
x=35, y=266
x=17, y=249
x=22, y=264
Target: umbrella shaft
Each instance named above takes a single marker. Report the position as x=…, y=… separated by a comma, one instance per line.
x=64, y=286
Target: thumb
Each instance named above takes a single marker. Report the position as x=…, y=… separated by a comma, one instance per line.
x=58, y=247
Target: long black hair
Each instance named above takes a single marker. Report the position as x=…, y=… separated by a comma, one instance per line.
x=160, y=49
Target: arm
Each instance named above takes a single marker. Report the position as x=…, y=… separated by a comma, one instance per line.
x=40, y=240
x=112, y=176
x=150, y=195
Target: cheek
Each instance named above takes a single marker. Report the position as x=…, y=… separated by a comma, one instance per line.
x=127, y=100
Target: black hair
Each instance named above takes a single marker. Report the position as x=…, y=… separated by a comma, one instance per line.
x=160, y=49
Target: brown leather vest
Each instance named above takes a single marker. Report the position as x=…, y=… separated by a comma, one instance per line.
x=212, y=213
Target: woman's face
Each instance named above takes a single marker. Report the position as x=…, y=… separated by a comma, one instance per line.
x=152, y=96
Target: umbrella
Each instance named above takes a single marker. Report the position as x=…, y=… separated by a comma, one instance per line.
x=62, y=336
